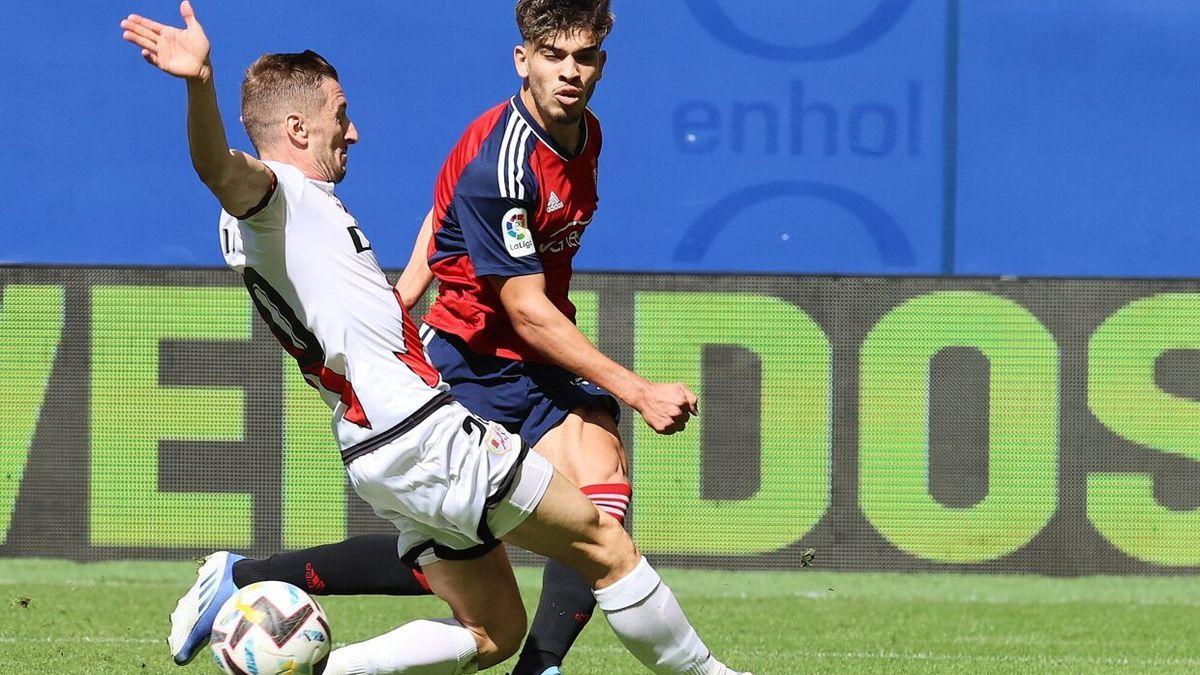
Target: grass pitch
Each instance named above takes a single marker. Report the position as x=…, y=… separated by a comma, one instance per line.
x=60, y=617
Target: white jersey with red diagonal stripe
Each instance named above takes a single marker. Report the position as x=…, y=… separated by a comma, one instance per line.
x=314, y=279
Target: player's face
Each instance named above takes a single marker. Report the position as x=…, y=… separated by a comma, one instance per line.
x=562, y=74
x=332, y=134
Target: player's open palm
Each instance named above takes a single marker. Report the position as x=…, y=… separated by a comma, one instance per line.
x=667, y=407
x=180, y=52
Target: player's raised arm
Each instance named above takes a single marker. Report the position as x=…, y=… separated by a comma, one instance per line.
x=239, y=181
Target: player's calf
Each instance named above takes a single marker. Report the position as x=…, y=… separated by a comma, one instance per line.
x=611, y=553
x=586, y=448
x=640, y=608
x=498, y=641
x=566, y=526
x=487, y=628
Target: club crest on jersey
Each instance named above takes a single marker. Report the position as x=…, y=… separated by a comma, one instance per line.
x=518, y=240
x=497, y=440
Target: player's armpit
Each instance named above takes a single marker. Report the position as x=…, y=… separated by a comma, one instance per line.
x=244, y=185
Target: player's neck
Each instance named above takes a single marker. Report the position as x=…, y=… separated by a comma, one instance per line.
x=567, y=136
x=301, y=160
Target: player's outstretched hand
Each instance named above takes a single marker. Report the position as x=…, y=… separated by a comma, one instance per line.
x=179, y=52
x=667, y=407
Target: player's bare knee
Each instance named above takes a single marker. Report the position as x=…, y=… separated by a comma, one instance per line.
x=602, y=471
x=606, y=459
x=614, y=555
x=607, y=466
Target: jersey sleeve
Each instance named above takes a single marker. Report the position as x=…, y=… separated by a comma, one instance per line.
x=230, y=235
x=498, y=235
x=286, y=186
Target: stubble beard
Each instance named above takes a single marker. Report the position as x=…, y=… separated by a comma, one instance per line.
x=556, y=113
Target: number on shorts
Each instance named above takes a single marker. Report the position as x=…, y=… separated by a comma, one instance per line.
x=472, y=423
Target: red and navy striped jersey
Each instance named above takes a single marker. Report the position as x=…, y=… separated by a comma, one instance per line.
x=508, y=202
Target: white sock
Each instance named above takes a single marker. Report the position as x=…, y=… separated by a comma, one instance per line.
x=647, y=618
x=425, y=647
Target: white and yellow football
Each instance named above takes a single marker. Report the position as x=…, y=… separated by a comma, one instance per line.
x=271, y=627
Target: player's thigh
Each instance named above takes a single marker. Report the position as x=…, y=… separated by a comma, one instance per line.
x=566, y=526
x=586, y=448
x=482, y=594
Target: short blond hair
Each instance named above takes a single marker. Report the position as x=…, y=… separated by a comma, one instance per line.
x=277, y=85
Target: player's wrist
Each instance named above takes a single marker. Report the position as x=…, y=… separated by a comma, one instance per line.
x=203, y=76
x=637, y=393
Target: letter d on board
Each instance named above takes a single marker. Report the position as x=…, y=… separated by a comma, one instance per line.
x=671, y=331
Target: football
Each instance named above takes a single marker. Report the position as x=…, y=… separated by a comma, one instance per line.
x=271, y=627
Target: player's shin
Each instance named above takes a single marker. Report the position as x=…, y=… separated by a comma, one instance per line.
x=424, y=646
x=647, y=618
x=566, y=603
x=564, y=608
x=641, y=609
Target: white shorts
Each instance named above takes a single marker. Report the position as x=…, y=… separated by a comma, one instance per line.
x=453, y=485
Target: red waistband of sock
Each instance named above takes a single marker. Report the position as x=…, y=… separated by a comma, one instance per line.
x=611, y=498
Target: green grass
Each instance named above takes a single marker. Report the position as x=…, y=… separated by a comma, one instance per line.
x=111, y=618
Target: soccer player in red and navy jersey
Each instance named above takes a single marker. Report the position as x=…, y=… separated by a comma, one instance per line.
x=511, y=205
x=512, y=201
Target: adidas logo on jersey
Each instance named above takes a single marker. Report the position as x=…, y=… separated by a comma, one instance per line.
x=554, y=204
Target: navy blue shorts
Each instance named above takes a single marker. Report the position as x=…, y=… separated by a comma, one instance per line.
x=529, y=399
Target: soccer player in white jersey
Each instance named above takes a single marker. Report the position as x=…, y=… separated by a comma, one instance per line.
x=452, y=484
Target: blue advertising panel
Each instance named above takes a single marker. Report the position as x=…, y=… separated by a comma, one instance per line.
x=792, y=136
x=808, y=148
x=1079, y=138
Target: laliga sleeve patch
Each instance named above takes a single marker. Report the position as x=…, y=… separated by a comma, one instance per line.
x=518, y=240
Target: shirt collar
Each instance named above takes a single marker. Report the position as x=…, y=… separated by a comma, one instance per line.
x=325, y=186
x=545, y=137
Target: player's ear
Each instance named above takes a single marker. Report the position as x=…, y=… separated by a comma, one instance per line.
x=521, y=60
x=600, y=67
x=296, y=128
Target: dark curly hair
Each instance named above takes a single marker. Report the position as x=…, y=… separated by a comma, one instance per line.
x=541, y=20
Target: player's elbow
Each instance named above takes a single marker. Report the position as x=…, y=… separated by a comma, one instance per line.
x=410, y=290
x=409, y=298
x=235, y=196
x=527, y=317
